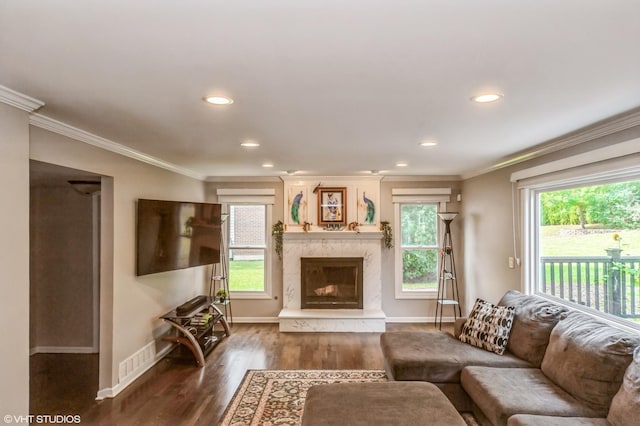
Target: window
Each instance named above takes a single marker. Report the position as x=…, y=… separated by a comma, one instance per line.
x=584, y=234
x=249, y=242
x=417, y=247
x=247, y=248
x=416, y=240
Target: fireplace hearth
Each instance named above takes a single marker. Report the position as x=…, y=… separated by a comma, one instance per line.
x=331, y=282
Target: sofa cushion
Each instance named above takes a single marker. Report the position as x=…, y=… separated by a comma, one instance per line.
x=588, y=359
x=390, y=403
x=435, y=357
x=502, y=392
x=488, y=326
x=534, y=319
x=625, y=406
x=533, y=420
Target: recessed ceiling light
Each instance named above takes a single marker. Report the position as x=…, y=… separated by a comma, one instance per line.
x=401, y=164
x=487, y=97
x=219, y=100
x=267, y=165
x=250, y=144
x=428, y=143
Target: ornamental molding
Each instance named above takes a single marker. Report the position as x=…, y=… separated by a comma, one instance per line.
x=46, y=123
x=19, y=100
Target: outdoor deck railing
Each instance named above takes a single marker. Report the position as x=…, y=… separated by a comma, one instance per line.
x=605, y=283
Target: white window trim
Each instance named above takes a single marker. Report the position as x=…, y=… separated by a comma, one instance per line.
x=262, y=196
x=619, y=162
x=414, y=196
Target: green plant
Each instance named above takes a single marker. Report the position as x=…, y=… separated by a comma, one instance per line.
x=277, y=229
x=222, y=294
x=385, y=227
x=632, y=273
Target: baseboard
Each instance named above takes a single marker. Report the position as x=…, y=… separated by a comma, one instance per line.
x=276, y=320
x=133, y=367
x=419, y=320
x=256, y=320
x=62, y=350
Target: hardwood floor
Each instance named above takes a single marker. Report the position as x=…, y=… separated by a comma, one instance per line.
x=178, y=392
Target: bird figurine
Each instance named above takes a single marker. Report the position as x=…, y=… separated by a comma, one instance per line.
x=371, y=209
x=295, y=208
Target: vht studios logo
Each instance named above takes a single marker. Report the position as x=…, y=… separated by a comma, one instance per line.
x=43, y=418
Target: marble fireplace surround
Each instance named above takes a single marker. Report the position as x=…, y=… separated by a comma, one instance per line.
x=320, y=243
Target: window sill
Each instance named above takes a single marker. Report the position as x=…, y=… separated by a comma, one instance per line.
x=422, y=295
x=250, y=295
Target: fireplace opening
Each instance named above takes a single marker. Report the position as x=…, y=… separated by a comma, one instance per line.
x=331, y=282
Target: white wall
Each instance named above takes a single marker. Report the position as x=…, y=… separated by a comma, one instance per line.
x=14, y=261
x=137, y=302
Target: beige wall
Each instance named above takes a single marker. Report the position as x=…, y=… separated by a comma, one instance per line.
x=395, y=308
x=268, y=309
x=137, y=302
x=14, y=261
x=420, y=308
x=488, y=223
x=488, y=238
x=61, y=261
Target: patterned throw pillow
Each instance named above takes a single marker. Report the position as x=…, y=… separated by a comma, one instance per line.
x=488, y=326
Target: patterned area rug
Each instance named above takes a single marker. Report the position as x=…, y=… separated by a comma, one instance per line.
x=276, y=397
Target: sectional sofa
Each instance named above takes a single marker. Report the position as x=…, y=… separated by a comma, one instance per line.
x=560, y=367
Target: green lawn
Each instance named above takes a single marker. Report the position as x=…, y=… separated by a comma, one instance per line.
x=246, y=275
x=554, y=243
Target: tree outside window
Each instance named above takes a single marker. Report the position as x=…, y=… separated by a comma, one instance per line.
x=419, y=247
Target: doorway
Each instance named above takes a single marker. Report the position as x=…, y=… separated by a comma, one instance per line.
x=64, y=288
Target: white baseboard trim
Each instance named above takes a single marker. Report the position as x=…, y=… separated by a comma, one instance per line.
x=256, y=320
x=62, y=350
x=276, y=320
x=418, y=320
x=139, y=370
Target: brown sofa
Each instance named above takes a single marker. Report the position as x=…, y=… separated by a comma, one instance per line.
x=559, y=365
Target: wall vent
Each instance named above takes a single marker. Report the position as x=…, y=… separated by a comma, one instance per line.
x=137, y=363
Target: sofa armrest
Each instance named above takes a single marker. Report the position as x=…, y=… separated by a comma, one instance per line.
x=457, y=327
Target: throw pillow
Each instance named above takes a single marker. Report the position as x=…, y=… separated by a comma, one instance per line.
x=488, y=326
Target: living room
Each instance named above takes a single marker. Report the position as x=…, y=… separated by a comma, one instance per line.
x=594, y=129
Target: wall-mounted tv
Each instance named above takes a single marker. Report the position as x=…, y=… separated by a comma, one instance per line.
x=176, y=235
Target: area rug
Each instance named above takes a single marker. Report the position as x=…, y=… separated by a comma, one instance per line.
x=276, y=397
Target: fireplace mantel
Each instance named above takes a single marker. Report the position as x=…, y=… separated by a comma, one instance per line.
x=332, y=235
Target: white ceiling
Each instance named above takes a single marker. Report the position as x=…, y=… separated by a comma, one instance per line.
x=326, y=87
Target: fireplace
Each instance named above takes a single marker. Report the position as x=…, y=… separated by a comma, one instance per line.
x=331, y=282
x=365, y=246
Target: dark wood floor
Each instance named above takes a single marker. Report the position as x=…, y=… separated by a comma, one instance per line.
x=177, y=392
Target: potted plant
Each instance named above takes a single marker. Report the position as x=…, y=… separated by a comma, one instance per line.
x=277, y=229
x=222, y=295
x=385, y=227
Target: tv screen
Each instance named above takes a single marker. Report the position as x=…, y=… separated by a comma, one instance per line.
x=176, y=235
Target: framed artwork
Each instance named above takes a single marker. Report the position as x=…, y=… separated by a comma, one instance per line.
x=367, y=205
x=332, y=206
x=297, y=202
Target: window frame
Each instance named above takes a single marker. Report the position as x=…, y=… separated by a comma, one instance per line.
x=260, y=196
x=400, y=292
x=530, y=187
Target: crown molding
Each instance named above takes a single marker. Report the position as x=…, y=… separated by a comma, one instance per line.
x=19, y=100
x=600, y=129
x=242, y=179
x=44, y=122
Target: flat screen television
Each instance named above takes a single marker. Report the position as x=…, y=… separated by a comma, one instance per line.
x=174, y=235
